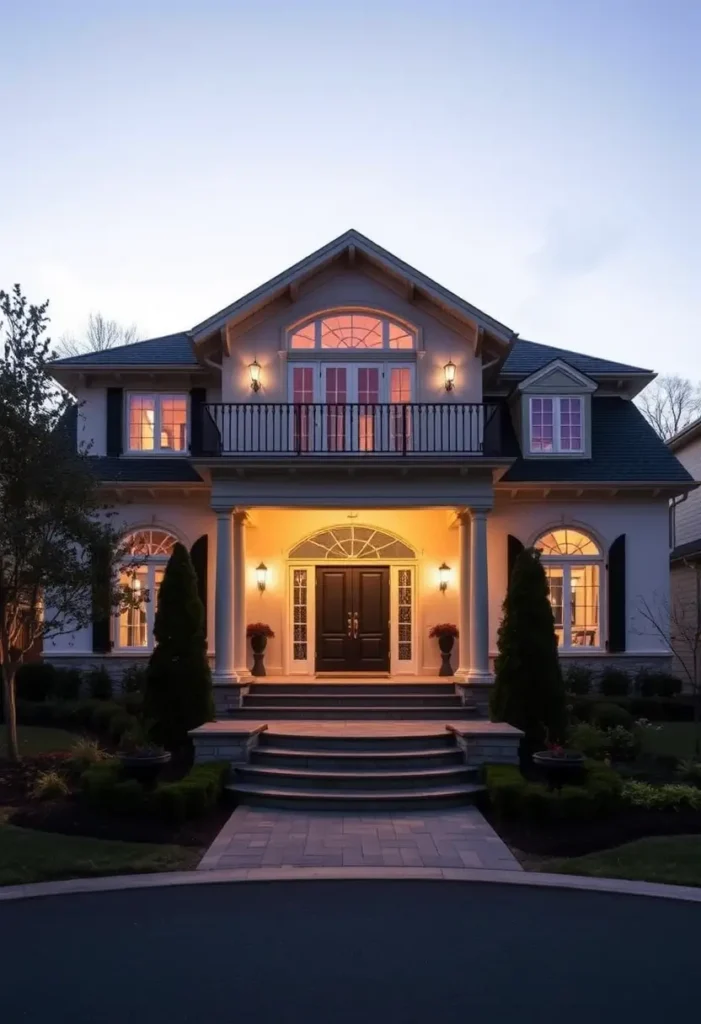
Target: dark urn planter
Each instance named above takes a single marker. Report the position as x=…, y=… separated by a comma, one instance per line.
x=446, y=644
x=145, y=768
x=566, y=769
x=258, y=645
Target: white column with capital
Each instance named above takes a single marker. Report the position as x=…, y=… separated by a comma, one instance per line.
x=479, y=601
x=239, y=622
x=464, y=594
x=224, y=671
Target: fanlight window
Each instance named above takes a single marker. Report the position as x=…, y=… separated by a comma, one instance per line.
x=150, y=549
x=573, y=565
x=353, y=330
x=356, y=542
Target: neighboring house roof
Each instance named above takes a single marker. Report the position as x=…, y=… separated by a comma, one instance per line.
x=527, y=357
x=685, y=436
x=170, y=350
x=625, y=449
x=690, y=550
x=148, y=470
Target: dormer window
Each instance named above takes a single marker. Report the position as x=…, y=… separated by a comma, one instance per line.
x=352, y=331
x=157, y=423
x=557, y=424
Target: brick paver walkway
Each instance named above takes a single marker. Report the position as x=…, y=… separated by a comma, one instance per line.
x=260, y=837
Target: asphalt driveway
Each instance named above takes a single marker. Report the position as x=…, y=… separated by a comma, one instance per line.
x=356, y=951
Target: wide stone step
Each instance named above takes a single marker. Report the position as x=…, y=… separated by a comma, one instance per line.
x=349, y=745
x=312, y=700
x=355, y=800
x=357, y=760
x=353, y=689
x=402, y=781
x=277, y=712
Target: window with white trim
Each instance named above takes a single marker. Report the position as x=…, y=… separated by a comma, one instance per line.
x=573, y=566
x=557, y=424
x=157, y=423
x=352, y=331
x=150, y=550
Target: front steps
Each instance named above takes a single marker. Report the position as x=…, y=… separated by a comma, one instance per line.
x=355, y=773
x=361, y=701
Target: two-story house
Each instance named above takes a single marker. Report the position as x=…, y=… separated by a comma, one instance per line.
x=686, y=556
x=353, y=453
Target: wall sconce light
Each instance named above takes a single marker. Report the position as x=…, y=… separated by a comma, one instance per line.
x=254, y=370
x=262, y=576
x=443, y=577
x=449, y=371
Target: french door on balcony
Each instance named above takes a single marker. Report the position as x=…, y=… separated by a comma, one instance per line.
x=348, y=407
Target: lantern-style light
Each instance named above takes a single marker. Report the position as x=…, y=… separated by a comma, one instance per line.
x=254, y=370
x=443, y=576
x=262, y=576
x=449, y=372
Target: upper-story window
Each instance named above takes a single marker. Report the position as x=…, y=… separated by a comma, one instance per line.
x=352, y=331
x=157, y=423
x=557, y=424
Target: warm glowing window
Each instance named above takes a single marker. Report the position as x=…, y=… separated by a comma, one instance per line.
x=158, y=423
x=353, y=330
x=573, y=565
x=557, y=425
x=150, y=550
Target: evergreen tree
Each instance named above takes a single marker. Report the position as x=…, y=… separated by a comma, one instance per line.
x=529, y=692
x=178, y=694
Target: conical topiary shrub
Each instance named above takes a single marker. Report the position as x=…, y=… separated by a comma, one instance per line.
x=528, y=690
x=178, y=693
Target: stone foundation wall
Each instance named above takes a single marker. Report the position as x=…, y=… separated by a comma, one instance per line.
x=233, y=746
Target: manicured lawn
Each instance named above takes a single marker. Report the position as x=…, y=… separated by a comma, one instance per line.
x=674, y=739
x=34, y=739
x=27, y=855
x=673, y=859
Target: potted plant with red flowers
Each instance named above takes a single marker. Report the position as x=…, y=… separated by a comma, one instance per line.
x=445, y=633
x=258, y=633
x=560, y=766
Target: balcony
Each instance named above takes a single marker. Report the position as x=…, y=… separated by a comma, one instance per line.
x=321, y=429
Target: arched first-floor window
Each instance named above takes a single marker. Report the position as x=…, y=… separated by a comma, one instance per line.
x=573, y=564
x=150, y=550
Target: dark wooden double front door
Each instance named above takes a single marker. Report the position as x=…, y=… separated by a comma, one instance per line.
x=352, y=619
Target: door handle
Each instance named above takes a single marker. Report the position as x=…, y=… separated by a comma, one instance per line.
x=355, y=626
x=350, y=626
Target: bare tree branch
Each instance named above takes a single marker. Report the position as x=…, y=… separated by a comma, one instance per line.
x=101, y=335
x=670, y=403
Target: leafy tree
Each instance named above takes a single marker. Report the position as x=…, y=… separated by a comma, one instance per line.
x=529, y=692
x=670, y=403
x=101, y=335
x=51, y=517
x=178, y=694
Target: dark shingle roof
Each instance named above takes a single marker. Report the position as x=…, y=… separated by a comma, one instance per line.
x=527, y=357
x=145, y=471
x=690, y=550
x=171, y=350
x=625, y=449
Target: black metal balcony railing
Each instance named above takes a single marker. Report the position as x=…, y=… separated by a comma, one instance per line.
x=314, y=428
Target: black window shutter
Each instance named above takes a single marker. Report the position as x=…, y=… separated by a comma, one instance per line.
x=115, y=407
x=101, y=569
x=617, y=594
x=514, y=547
x=198, y=397
x=198, y=554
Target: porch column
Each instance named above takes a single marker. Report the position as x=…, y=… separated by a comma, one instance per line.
x=464, y=594
x=239, y=622
x=223, y=601
x=479, y=601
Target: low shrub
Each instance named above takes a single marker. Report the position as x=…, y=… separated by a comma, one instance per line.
x=579, y=680
x=656, y=709
x=67, y=684
x=98, y=782
x=672, y=797
x=588, y=740
x=85, y=753
x=133, y=703
x=49, y=786
x=513, y=796
x=199, y=791
x=611, y=716
x=99, y=683
x=690, y=771
x=614, y=682
x=134, y=679
x=618, y=743
x=657, y=684
x=35, y=681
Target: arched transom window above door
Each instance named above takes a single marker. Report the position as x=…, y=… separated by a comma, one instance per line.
x=352, y=331
x=573, y=564
x=150, y=549
x=352, y=542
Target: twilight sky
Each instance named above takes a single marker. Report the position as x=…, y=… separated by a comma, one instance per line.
x=539, y=157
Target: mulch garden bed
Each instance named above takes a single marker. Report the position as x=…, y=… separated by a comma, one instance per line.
x=16, y=780
x=571, y=839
